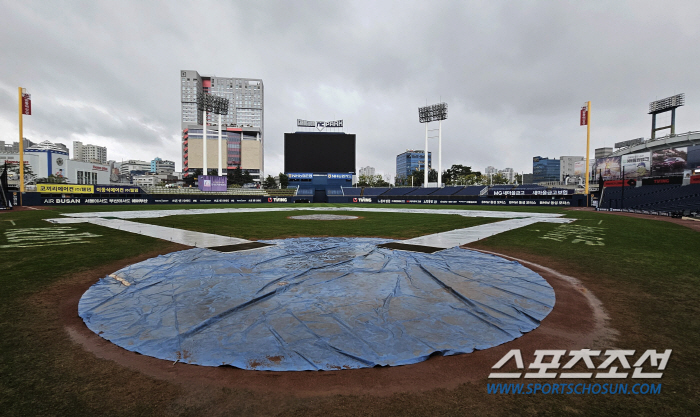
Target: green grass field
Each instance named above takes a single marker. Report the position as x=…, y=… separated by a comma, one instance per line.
x=646, y=273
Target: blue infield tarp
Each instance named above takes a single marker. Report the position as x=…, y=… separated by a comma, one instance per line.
x=315, y=303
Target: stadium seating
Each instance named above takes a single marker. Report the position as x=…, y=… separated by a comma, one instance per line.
x=306, y=192
x=352, y=191
x=334, y=191
x=472, y=190
x=662, y=198
x=374, y=191
x=532, y=187
x=423, y=191
x=501, y=186
x=447, y=191
x=399, y=191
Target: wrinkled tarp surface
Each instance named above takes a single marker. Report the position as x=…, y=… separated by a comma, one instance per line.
x=315, y=303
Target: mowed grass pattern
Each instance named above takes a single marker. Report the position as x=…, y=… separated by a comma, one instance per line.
x=647, y=275
x=275, y=225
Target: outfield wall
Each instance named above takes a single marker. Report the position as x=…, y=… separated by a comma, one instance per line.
x=39, y=199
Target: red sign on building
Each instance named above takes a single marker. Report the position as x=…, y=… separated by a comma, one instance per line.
x=695, y=179
x=584, y=116
x=27, y=104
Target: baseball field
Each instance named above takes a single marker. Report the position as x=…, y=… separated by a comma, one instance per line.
x=622, y=283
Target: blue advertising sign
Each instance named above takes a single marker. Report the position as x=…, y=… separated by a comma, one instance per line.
x=517, y=192
x=212, y=183
x=339, y=176
x=301, y=176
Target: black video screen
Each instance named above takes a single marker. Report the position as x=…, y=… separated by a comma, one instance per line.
x=319, y=152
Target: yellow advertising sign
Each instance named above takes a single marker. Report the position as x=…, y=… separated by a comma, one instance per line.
x=65, y=188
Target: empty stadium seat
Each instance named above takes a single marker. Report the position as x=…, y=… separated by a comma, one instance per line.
x=373, y=191
x=352, y=191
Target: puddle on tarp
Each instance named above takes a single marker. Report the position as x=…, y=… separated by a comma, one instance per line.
x=315, y=303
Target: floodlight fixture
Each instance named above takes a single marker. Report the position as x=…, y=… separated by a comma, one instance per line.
x=432, y=113
x=664, y=105
x=436, y=112
x=667, y=103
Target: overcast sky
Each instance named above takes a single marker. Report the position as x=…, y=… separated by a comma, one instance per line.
x=514, y=73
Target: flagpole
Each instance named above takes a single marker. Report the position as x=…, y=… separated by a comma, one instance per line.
x=21, y=149
x=588, y=144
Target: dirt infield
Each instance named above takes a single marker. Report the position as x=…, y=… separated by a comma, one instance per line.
x=577, y=321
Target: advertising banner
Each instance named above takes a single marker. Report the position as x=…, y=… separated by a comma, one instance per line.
x=663, y=180
x=65, y=188
x=339, y=176
x=300, y=176
x=620, y=183
x=117, y=189
x=637, y=165
x=609, y=168
x=695, y=179
x=580, y=169
x=694, y=159
x=669, y=161
x=212, y=183
x=517, y=192
x=27, y=104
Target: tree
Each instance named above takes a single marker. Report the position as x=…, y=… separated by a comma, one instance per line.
x=419, y=176
x=191, y=176
x=471, y=179
x=381, y=182
x=246, y=178
x=372, y=181
x=235, y=176
x=270, y=182
x=518, y=179
x=498, y=178
x=52, y=179
x=284, y=180
x=451, y=175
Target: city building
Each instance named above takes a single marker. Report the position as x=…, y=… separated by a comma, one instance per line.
x=603, y=152
x=242, y=127
x=367, y=171
x=545, y=169
x=508, y=173
x=151, y=180
x=134, y=167
x=14, y=147
x=567, y=166
x=410, y=161
x=159, y=166
x=46, y=159
x=490, y=170
x=89, y=153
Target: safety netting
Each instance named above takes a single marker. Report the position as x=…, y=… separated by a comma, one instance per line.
x=315, y=304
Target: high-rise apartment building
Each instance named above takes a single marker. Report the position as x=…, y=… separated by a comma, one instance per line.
x=367, y=171
x=242, y=127
x=490, y=170
x=89, y=153
x=508, y=173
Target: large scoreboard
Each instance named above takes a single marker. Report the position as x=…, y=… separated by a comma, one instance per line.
x=320, y=152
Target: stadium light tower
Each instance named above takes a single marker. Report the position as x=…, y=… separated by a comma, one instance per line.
x=662, y=106
x=211, y=104
x=426, y=115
